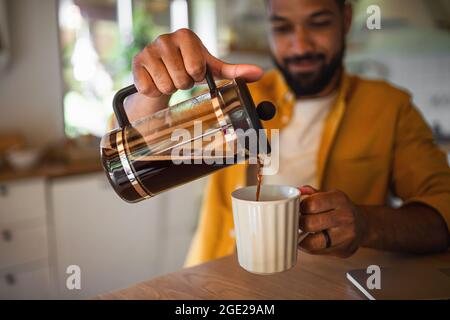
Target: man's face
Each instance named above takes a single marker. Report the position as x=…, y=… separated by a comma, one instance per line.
x=307, y=39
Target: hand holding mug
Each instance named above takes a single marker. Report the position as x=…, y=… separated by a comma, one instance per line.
x=334, y=224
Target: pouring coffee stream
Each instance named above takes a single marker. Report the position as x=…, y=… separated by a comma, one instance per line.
x=138, y=157
x=259, y=176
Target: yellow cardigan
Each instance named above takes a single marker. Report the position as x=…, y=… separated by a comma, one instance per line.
x=374, y=142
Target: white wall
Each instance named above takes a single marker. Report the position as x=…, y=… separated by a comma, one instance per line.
x=413, y=12
x=30, y=88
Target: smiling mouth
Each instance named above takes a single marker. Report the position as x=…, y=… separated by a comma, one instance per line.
x=304, y=66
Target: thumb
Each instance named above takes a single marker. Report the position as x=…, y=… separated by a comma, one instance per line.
x=223, y=70
x=307, y=190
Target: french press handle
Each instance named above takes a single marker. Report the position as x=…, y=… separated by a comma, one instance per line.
x=122, y=94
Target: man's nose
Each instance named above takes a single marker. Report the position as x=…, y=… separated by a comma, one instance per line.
x=301, y=41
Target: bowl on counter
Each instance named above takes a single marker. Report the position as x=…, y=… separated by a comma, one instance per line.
x=23, y=159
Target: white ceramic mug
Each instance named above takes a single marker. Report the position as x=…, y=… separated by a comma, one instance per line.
x=267, y=231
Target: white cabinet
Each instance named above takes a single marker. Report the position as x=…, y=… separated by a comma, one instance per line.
x=23, y=243
x=24, y=254
x=22, y=200
x=115, y=244
x=47, y=225
x=30, y=281
x=181, y=211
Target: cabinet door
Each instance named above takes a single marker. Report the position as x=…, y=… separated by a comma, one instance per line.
x=24, y=243
x=26, y=282
x=22, y=200
x=114, y=243
x=182, y=208
x=24, y=240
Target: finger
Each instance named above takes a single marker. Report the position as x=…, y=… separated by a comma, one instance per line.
x=320, y=202
x=157, y=70
x=192, y=53
x=248, y=72
x=173, y=60
x=196, y=56
x=317, y=241
x=307, y=190
x=143, y=81
x=343, y=250
x=321, y=221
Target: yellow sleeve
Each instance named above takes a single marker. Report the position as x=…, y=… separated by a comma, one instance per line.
x=420, y=169
x=214, y=237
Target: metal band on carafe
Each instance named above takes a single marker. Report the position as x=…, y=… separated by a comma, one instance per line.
x=127, y=167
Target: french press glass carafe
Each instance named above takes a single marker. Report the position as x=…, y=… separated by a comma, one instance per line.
x=173, y=146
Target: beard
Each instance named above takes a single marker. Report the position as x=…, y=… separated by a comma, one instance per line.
x=311, y=83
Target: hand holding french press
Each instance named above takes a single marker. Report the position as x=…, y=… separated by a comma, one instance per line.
x=177, y=61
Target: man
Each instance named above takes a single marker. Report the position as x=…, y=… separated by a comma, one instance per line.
x=355, y=140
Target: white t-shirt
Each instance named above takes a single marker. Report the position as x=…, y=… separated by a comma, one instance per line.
x=299, y=143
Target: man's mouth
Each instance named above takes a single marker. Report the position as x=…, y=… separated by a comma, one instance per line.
x=304, y=66
x=307, y=63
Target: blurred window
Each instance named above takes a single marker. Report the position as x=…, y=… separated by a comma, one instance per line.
x=98, y=39
x=411, y=50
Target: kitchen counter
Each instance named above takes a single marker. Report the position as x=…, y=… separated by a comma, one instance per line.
x=51, y=170
x=314, y=277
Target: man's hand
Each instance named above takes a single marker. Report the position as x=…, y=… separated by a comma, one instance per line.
x=334, y=212
x=177, y=61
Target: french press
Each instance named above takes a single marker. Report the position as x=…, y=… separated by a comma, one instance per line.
x=167, y=148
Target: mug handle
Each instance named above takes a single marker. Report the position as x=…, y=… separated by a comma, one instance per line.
x=302, y=235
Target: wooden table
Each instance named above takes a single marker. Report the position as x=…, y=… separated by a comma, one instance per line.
x=52, y=170
x=314, y=277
